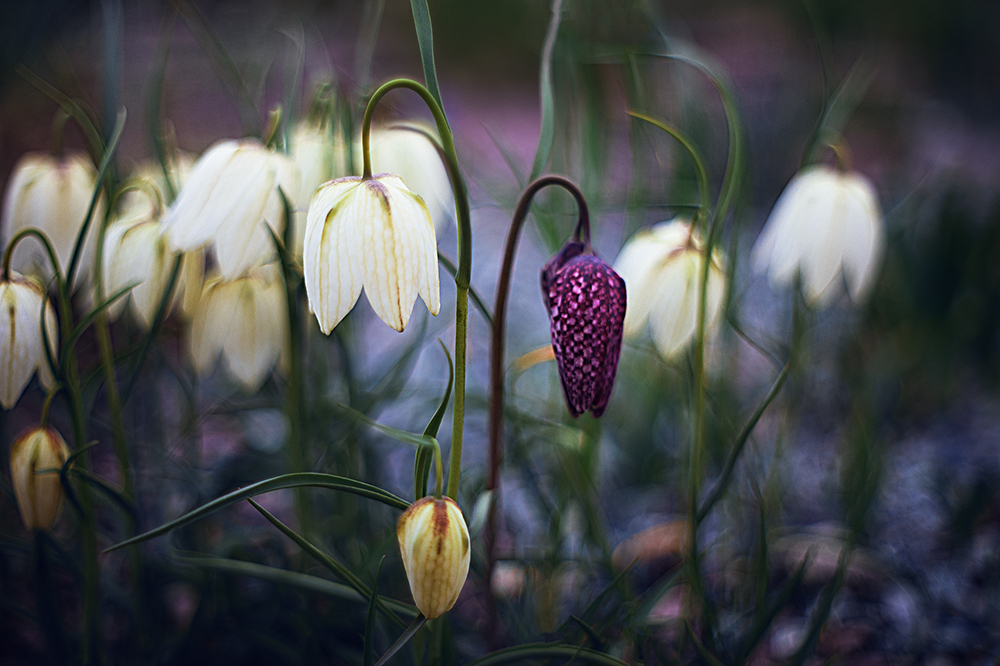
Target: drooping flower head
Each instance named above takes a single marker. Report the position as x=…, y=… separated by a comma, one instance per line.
x=246, y=321
x=827, y=222
x=662, y=266
x=232, y=192
x=22, y=348
x=51, y=194
x=39, y=495
x=434, y=544
x=372, y=233
x=586, y=302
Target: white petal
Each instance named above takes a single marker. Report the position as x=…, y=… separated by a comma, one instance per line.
x=674, y=316
x=187, y=220
x=332, y=266
x=865, y=233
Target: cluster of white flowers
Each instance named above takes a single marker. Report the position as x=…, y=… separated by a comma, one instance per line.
x=228, y=210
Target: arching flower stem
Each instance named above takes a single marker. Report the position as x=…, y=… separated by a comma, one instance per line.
x=580, y=234
x=463, y=275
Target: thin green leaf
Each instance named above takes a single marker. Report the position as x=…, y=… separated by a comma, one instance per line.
x=545, y=651
x=294, y=579
x=839, y=109
x=364, y=52
x=593, y=605
x=548, y=110
x=294, y=480
x=111, y=491
x=402, y=436
x=432, y=428
x=369, y=647
x=92, y=315
x=327, y=561
x=591, y=633
x=403, y=640
x=508, y=156
x=109, y=152
x=768, y=613
x=706, y=655
x=154, y=106
x=720, y=487
x=425, y=40
x=477, y=300
x=822, y=609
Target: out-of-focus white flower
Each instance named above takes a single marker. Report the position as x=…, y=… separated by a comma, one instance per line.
x=51, y=194
x=246, y=320
x=39, y=496
x=825, y=222
x=406, y=149
x=434, y=543
x=231, y=193
x=136, y=252
x=661, y=267
x=151, y=172
x=320, y=156
x=373, y=233
x=21, y=342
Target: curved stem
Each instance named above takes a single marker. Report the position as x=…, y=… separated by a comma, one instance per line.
x=49, y=250
x=463, y=275
x=497, y=354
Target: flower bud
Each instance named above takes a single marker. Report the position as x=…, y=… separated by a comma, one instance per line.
x=434, y=543
x=586, y=302
x=39, y=496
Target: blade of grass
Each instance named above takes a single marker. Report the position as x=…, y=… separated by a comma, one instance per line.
x=295, y=480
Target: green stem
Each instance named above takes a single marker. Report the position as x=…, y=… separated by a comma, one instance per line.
x=464, y=272
x=49, y=250
x=298, y=447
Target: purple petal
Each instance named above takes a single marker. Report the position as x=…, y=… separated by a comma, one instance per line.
x=553, y=265
x=587, y=311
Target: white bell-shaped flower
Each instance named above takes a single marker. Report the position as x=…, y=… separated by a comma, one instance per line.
x=826, y=223
x=661, y=267
x=22, y=348
x=53, y=195
x=372, y=233
x=246, y=321
x=406, y=149
x=231, y=193
x=136, y=252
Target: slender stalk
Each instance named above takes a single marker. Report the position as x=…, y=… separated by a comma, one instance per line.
x=298, y=447
x=497, y=358
x=463, y=275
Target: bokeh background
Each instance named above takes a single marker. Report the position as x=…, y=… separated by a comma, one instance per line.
x=913, y=372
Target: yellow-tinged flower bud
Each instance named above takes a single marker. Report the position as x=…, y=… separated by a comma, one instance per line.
x=21, y=342
x=434, y=543
x=53, y=195
x=39, y=496
x=374, y=233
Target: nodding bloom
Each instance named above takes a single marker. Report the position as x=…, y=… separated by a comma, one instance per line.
x=372, y=233
x=408, y=149
x=231, y=193
x=661, y=266
x=39, y=495
x=434, y=544
x=246, y=321
x=826, y=223
x=137, y=252
x=51, y=194
x=21, y=341
x=586, y=302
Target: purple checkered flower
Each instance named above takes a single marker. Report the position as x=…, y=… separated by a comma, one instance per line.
x=586, y=303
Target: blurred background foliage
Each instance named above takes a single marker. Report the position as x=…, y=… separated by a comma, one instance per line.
x=884, y=441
